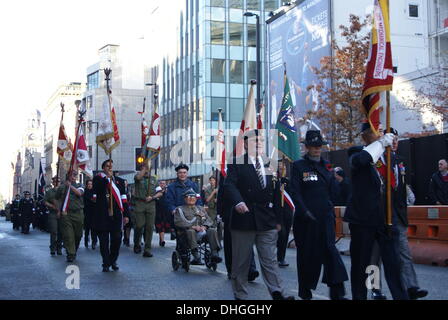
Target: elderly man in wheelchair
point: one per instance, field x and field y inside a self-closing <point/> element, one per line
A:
<point x="194" y="230"/>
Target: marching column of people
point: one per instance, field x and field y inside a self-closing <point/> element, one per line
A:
<point x="248" y="201"/>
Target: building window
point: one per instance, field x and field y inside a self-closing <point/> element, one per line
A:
<point x="236" y="71"/>
<point x="93" y="81"/>
<point x="89" y="102"/>
<point x="217" y="103"/>
<point x="413" y="11"/>
<point x="236" y="34"/>
<point x="251" y="71"/>
<point x="236" y="109"/>
<point x="217" y="32"/>
<point x="253" y="5"/>
<point x="218" y="68"/>
<point x="270" y="5"/>
<point x="236" y="4"/>
<point x="251" y="35"/>
<point x="217" y="3"/>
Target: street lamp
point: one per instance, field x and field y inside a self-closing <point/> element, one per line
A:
<point x="251" y="14"/>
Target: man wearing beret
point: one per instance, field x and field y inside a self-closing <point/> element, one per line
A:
<point x="176" y="189"/>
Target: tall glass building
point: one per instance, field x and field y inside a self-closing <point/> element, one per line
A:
<point x="213" y="67"/>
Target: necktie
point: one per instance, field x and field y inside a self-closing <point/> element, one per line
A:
<point x="259" y="173"/>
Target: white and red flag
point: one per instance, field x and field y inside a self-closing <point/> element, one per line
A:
<point x="249" y="122"/>
<point x="82" y="154"/>
<point x="64" y="147"/>
<point x="153" y="140"/>
<point x="108" y="137"/>
<point x="221" y="148"/>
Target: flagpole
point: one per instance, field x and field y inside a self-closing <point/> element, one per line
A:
<point x="58" y="164"/>
<point x="107" y="72"/>
<point x="389" y="166"/>
<point x="156" y="97"/>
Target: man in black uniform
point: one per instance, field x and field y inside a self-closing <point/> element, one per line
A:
<point x="15" y="213"/>
<point x="311" y="189"/>
<point x="109" y="223"/>
<point x="287" y="218"/>
<point x="366" y="215"/>
<point x="26" y="211"/>
<point x="89" y="210"/>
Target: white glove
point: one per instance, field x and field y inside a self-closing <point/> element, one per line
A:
<point x="375" y="150"/>
<point x="387" y="140"/>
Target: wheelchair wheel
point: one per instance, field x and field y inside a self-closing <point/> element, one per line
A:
<point x="207" y="259"/>
<point x="175" y="260"/>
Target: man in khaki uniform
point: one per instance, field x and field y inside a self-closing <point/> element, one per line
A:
<point x="193" y="223"/>
<point x="72" y="220"/>
<point x="145" y="209"/>
<point x="54" y="225"/>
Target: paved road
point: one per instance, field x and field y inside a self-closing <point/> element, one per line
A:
<point x="27" y="271"/>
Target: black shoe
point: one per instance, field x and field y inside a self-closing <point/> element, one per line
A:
<point x="162" y="243"/>
<point x="147" y="254"/>
<point x="137" y="250"/>
<point x="53" y="253"/>
<point x="417" y="293"/>
<point x="337" y="292"/>
<point x="253" y="275"/>
<point x="283" y="264"/>
<point x="305" y="294"/>
<point x="216" y="259"/>
<point x="70" y="258"/>
<point x="276" y="295"/>
<point x="115" y="267"/>
<point x="378" y="295"/>
<point x="105" y="269"/>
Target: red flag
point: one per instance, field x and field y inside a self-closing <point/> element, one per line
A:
<point x="153" y="140"/>
<point x="379" y="74"/>
<point x="82" y="155"/>
<point x="221" y="148"/>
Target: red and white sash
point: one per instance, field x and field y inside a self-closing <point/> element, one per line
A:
<point x="115" y="192"/>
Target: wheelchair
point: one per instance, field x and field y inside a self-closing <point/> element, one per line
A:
<point x="181" y="257"/>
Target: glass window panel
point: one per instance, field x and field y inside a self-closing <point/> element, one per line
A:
<point x="218" y="68"/>
<point x="251" y="35"/>
<point x="217" y="3"/>
<point x="251" y="71"/>
<point x="218" y="14"/>
<point x="216" y="104"/>
<point x="236" y="34"/>
<point x="270" y="5"/>
<point x="236" y="4"/>
<point x="217" y="32"/>
<point x="236" y="109"/>
<point x="253" y="5"/>
<point x="236" y="71"/>
<point x="236" y="15"/>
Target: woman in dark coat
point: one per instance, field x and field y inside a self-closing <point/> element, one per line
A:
<point x="164" y="218"/>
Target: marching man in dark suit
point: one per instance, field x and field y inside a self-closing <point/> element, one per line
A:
<point x="109" y="223"/>
<point x="366" y="215"/>
<point x="311" y="189"/>
<point x="26" y="212"/>
<point x="254" y="219"/>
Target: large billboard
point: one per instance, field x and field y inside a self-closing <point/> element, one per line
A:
<point x="297" y="39"/>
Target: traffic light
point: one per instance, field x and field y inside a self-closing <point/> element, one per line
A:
<point x="139" y="159"/>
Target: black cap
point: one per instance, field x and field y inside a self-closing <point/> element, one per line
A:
<point x="393" y="131"/>
<point x="182" y="166"/>
<point x="365" y="126"/>
<point x="27" y="193"/>
<point x="314" y="139"/>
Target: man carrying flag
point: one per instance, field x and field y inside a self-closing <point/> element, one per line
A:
<point x="366" y="210"/>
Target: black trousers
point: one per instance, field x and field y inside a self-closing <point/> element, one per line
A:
<point x="228" y="251"/>
<point x="283" y="235"/>
<point x="110" y="242"/>
<point x="26" y="221"/>
<point x="361" y="246"/>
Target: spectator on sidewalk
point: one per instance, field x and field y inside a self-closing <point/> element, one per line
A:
<point x="438" y="186"/>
